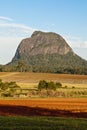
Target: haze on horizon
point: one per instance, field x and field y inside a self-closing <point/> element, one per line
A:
<point x="20" y="18"/>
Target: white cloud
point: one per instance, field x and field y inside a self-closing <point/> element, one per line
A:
<point x="9" y="28"/>
<point x="78" y="45"/>
<point x="85" y="44"/>
<point x="8" y="46"/>
<point x="15" y="29"/>
<point x="5" y="18"/>
<point x="13" y="25"/>
<point x="10" y="36"/>
<point x="76" y="42"/>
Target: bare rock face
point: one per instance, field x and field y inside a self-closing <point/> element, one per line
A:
<point x="43" y="43"/>
<point x="46" y="52"/>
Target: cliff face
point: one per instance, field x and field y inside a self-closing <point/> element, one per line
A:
<point x="47" y="52"/>
<point x="43" y="43"/>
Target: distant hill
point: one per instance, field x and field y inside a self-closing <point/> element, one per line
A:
<point x="46" y="52"/>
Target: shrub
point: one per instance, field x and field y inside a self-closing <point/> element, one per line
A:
<point x="51" y="85"/>
<point x="66" y="86"/>
<point x="58" y="85"/>
<point x="73" y="86"/>
<point x="48" y="85"/>
<point x="8" y="88"/>
<point x="42" y="85"/>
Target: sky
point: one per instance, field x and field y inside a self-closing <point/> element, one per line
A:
<point x="20" y="18"/>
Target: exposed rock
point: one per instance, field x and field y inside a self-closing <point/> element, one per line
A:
<point x="43" y="43"/>
<point x="47" y="52"/>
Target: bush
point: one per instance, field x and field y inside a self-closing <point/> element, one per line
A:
<point x="58" y="85"/>
<point x="51" y="85"/>
<point x="73" y="86"/>
<point x="66" y="86"/>
<point x="42" y="85"/>
<point x="8" y="88"/>
<point x="48" y="85"/>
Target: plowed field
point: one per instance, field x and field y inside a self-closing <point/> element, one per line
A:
<point x="72" y="107"/>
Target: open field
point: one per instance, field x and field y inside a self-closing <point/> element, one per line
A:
<point x="45" y="113"/>
<point x="72" y="85"/>
<point x="34" y="85"/>
<point x="66" y="107"/>
<point x="36" y="77"/>
<point x="30" y="80"/>
<point x="42" y="123"/>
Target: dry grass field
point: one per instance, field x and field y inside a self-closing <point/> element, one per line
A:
<point x="36" y="77"/>
<point x="30" y="80"/>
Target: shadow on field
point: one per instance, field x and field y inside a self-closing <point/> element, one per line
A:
<point x="8" y="110"/>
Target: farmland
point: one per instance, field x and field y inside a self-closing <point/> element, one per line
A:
<point x="29" y="82"/>
<point x="36" y="77"/>
<point x="41" y="123"/>
<point x="68" y="107"/>
<point x="43" y="114"/>
<point x="67" y="112"/>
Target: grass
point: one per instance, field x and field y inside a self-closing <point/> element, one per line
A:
<point x="30" y="80"/>
<point x="76" y="85"/>
<point x="36" y="77"/>
<point x="28" y="85"/>
<point x="80" y="86"/>
<point x="34" y="85"/>
<point x="67" y="90"/>
<point x="41" y="123"/>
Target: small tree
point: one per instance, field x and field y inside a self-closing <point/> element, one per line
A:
<point x="48" y="85"/>
<point x="1" y="84"/>
<point x="42" y="85"/>
<point x="58" y="85"/>
<point x="51" y="85"/>
<point x="8" y="88"/>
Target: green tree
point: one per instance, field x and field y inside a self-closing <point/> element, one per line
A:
<point x="21" y="66"/>
<point x="8" y="88"/>
<point x="42" y="85"/>
<point x="48" y="85"/>
<point x="58" y="85"/>
<point x="51" y="85"/>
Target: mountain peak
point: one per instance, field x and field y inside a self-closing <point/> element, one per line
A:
<point x="44" y="43"/>
<point x="47" y="52"/>
<point x="36" y="33"/>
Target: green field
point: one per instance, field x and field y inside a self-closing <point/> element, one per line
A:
<point x="29" y="81"/>
<point x="42" y="123"/>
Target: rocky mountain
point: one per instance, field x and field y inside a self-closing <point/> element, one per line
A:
<point x="43" y="43"/>
<point x="46" y="52"/>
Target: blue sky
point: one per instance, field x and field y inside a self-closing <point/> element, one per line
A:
<point x="20" y="18"/>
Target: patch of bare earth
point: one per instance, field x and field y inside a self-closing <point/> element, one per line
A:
<point x="72" y="107"/>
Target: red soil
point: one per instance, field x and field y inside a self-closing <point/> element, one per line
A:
<point x="45" y="107"/>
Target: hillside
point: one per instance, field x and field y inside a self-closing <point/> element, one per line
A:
<point x="46" y="52"/>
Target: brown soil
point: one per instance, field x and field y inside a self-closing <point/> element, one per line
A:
<point x="45" y="107"/>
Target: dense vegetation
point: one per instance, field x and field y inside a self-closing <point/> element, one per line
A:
<point x="43" y="89"/>
<point x="8" y="89"/>
<point x="54" y="63"/>
<point x="48" y="85"/>
<point x="55" y="89"/>
<point x="42" y="123"/>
